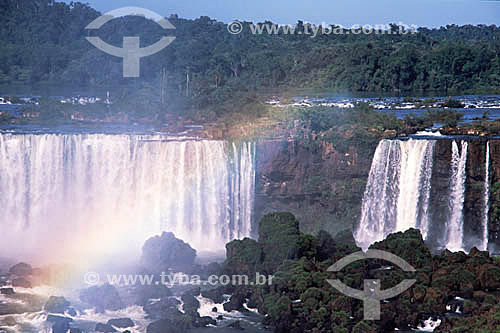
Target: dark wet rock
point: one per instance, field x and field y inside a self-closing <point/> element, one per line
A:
<point x="21" y="282"/>
<point x="206" y="271"/>
<point x="103" y="298"/>
<point x="60" y="324"/>
<point x="8" y="321"/>
<point x="21" y="303"/>
<point x="21" y="269"/>
<point x="235" y="325"/>
<point x="292" y="176"/>
<point x="60" y="327"/>
<point x="161" y="253"/>
<point x="220" y="317"/>
<point x="193" y="291"/>
<point x="7" y="291"/>
<point x="56" y="304"/>
<point x="143" y="293"/>
<point x="72" y="312"/>
<point x="253" y="301"/>
<point x="159" y="309"/>
<point x="121" y="322"/>
<point x="179" y="325"/>
<point x="206" y="321"/>
<point x="100" y="327"/>
<point x="190" y="304"/>
<point x="235" y="303"/>
<point x="216" y="294"/>
<point x="55" y="318"/>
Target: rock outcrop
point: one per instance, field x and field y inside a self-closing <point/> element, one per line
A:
<point x="323" y="187"/>
<point x="161" y="253"/>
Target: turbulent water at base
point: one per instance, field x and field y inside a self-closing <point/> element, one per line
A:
<point x="398" y="190"/>
<point x="455" y="224"/>
<point x="98" y="193"/>
<point x="486" y="199"/>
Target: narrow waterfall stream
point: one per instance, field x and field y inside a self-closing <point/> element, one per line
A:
<point x="398" y="190"/>
<point x="455" y="223"/>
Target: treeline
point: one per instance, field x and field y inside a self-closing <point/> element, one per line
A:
<point x="43" y="41"/>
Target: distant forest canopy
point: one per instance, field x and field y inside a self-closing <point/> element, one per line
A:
<point x="43" y="41"/>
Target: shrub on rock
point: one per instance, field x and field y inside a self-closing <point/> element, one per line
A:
<point x="279" y="236"/>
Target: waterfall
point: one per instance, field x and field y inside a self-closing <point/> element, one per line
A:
<point x="456" y="198"/>
<point x="484" y="246"/>
<point x="96" y="193"/>
<point x="398" y="190"/>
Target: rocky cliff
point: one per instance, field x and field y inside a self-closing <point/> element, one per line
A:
<point x="324" y="187"/>
<point x="321" y="186"/>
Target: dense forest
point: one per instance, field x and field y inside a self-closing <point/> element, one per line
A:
<point x="43" y="41"/>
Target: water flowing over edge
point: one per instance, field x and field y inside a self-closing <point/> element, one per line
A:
<point x="398" y="190"/>
<point x="455" y="222"/>
<point x="68" y="194"/>
<point x="486" y="203"/>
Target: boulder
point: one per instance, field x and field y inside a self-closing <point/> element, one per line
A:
<point x="72" y="312"/>
<point x="21" y="269"/>
<point x="60" y="327"/>
<point x="100" y="327"/>
<point x="160" y="309"/>
<point x="173" y="321"/>
<point x="191" y="304"/>
<point x="56" y="304"/>
<point x="54" y="319"/>
<point x="163" y="326"/>
<point x="103" y="298"/>
<point x="121" y="322"/>
<point x="216" y="294"/>
<point x="235" y="325"/>
<point x="60" y="324"/>
<point x="7" y="291"/>
<point x="205" y="321"/>
<point x="235" y="303"/>
<point x="21" y="282"/>
<point x="161" y="253"/>
<point x="9" y="321"/>
<point x="143" y="293"/>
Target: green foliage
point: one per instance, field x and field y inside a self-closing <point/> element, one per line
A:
<point x="44" y="42"/>
<point x="443" y="115"/>
<point x="279" y="236"/>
